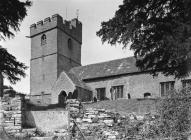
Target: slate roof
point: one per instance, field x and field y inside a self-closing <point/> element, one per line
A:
<point x="106" y="69"/>
<point x="78" y="82"/>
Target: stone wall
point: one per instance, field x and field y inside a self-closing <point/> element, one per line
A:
<point x="12" y="109"/>
<point x="127" y="106"/>
<point x="17" y="121"/>
<point x="44" y="99"/>
<point x="47" y="120"/>
<point x="84" y="95"/>
<point x="135" y="85"/>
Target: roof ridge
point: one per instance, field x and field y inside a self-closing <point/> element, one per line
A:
<point x="103" y="62"/>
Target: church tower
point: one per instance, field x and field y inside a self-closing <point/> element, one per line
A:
<point x="55" y="46"/>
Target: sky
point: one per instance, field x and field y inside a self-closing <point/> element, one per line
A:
<point x="91" y="14"/>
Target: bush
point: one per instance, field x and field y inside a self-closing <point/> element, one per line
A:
<point x="174" y="113"/>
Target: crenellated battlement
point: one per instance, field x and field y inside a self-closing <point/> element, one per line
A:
<point x="72" y="27"/>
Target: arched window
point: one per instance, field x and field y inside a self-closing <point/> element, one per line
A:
<point x="69" y="95"/>
<point x="69" y="43"/>
<point x="147" y="95"/>
<point x="43" y="39"/>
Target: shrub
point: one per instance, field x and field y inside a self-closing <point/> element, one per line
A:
<point x="174" y="113"/>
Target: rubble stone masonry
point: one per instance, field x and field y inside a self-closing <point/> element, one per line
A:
<point x="1" y="83"/>
<point x="11" y="112"/>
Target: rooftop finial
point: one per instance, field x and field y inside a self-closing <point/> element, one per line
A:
<point x="77" y="13"/>
<point x="66" y="13"/>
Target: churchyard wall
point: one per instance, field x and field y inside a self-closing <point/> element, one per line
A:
<point x="12" y="113"/>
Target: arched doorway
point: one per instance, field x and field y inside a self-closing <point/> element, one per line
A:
<point x="147" y="95"/>
<point x="75" y="94"/>
<point x="69" y="95"/>
<point x="62" y="98"/>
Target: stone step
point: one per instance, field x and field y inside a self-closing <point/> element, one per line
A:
<point x="41" y="138"/>
<point x="50" y="138"/>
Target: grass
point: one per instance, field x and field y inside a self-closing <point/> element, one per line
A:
<point x="126" y="106"/>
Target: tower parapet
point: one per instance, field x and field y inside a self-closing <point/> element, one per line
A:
<point x="72" y="27"/>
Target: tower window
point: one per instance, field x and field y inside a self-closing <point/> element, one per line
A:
<point x="43" y="39"/>
<point x="69" y="43"/>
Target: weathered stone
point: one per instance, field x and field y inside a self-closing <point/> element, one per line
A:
<point x="12" y="127"/>
<point x="111" y="137"/>
<point x="41" y="138"/>
<point x="78" y="120"/>
<point x="87" y="120"/>
<point x="103" y="115"/>
<point x="108" y="122"/>
<point x="21" y="135"/>
<point x="91" y="116"/>
<point x="95" y="119"/>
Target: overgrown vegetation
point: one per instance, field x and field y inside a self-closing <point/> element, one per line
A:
<point x="175" y="113"/>
<point x="174" y="117"/>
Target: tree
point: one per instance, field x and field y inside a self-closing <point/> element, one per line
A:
<point x="12" y="13"/>
<point x="10" y="67"/>
<point x="159" y="32"/>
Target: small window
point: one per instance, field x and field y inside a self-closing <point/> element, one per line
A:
<point x="147" y="95"/>
<point x="43" y="39"/>
<point x="100" y="93"/>
<point x="166" y="86"/>
<point x="69" y="43"/>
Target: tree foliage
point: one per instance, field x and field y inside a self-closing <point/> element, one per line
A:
<point x="12" y="12"/>
<point x="10" y="67"/>
<point x="175" y="113"/>
<point x="159" y="32"/>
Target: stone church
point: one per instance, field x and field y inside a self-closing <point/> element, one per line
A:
<point x="56" y="70"/>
